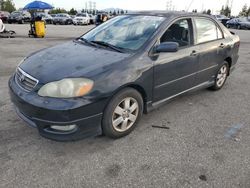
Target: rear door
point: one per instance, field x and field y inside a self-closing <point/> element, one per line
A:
<point x="174" y="72"/>
<point x="209" y="38"/>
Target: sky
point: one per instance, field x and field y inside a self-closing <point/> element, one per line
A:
<point x="214" y="5"/>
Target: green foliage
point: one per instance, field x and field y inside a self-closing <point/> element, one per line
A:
<point x="7" y="5"/>
<point x="208" y="12"/>
<point x="245" y="11"/>
<point x="225" y="11"/>
<point x="57" y="11"/>
<point x="72" y="11"/>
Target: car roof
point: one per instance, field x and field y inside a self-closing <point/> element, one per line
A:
<point x="167" y="13"/>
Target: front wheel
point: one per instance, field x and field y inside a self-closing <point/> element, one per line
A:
<point x="122" y="113"/>
<point x="221" y="77"/>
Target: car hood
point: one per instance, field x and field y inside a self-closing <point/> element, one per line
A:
<point x="71" y="59"/>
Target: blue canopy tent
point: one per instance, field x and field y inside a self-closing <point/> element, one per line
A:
<point x="38" y="5"/>
<point x="32" y="7"/>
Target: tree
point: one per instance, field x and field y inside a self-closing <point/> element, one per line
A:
<point x="57" y="11"/>
<point x="208" y="12"/>
<point x="72" y="11"/>
<point x="7" y="5"/>
<point x="222" y="10"/>
<point x="114" y="13"/>
<point x="225" y="11"/>
<point x="122" y="11"/>
<point x="118" y="12"/>
<point x="244" y="11"/>
<point x="1" y="4"/>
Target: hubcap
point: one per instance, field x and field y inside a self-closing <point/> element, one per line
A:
<point x="222" y="75"/>
<point x="125" y="114"/>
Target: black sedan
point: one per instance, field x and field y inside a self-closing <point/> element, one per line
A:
<point x="103" y="81"/>
<point x="239" y="23"/>
<point x="63" y="19"/>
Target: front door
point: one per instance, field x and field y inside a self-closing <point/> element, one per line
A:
<point x="175" y="72"/>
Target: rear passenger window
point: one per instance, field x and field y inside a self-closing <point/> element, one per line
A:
<point x="206" y="30"/>
<point x="178" y="32"/>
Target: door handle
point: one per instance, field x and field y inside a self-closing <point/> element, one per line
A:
<point x="222" y="45"/>
<point x="194" y="53"/>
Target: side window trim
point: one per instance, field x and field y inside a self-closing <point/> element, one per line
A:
<point x="191" y="30"/>
<point x="195" y="30"/>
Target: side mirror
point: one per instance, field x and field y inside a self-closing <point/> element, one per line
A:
<point x="167" y="47"/>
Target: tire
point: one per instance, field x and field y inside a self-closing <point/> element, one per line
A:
<point x="238" y="27"/>
<point x="122" y="122"/>
<point x="221" y="77"/>
<point x="21" y="22"/>
<point x="228" y="26"/>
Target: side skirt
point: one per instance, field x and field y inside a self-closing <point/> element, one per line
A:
<point x="153" y="105"/>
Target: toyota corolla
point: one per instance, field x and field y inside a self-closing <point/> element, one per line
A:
<point x="103" y="81"/>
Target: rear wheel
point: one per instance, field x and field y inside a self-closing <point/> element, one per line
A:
<point x="221" y="77"/>
<point x="122" y="113"/>
<point x="238" y="27"/>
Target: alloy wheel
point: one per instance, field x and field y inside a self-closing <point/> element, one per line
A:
<point x="222" y="75"/>
<point x="125" y="114"/>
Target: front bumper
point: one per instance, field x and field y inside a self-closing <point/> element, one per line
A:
<point x="42" y="113"/>
<point x="80" y="22"/>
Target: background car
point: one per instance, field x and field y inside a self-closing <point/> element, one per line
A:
<point x="233" y="23"/>
<point x="81" y="19"/>
<point x="239" y="23"/>
<point x="101" y="18"/>
<point x="53" y="15"/>
<point x="63" y="19"/>
<point x="19" y="17"/>
<point x="92" y="18"/>
<point x="4" y="15"/>
<point x="46" y="17"/>
<point x="244" y="23"/>
<point x="221" y="18"/>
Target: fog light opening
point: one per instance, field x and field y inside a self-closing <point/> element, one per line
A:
<point x="63" y="128"/>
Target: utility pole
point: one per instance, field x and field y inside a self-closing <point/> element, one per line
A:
<point x="231" y="6"/>
<point x="191" y="2"/>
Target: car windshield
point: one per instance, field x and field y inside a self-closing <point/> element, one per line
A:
<point x="15" y="13"/>
<point x="81" y="15"/>
<point x="127" y="32"/>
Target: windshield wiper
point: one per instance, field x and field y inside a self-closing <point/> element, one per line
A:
<point x="116" y="48"/>
<point x="86" y="41"/>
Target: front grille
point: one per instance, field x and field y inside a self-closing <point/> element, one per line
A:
<point x="24" y="80"/>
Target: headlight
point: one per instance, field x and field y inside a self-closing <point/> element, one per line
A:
<point x="67" y="88"/>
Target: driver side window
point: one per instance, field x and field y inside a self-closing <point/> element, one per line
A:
<point x="178" y="32"/>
